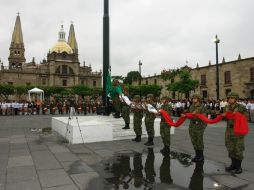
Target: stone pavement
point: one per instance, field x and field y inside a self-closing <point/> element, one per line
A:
<point x="34" y="159"/>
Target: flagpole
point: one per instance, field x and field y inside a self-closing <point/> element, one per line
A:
<point x="105" y="52"/>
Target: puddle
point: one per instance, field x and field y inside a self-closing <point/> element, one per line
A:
<point x="151" y="170"/>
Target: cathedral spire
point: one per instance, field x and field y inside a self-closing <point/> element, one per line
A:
<point x="17" y="49"/>
<point x="17" y="36"/>
<point x="72" y="39"/>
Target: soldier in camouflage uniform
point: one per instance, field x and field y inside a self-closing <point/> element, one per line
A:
<point x="164" y="127"/>
<point x="115" y="93"/>
<point x="234" y="144"/>
<point x="197" y="128"/>
<point x="149" y="121"/>
<point x="137" y="118"/>
<point x="125" y="109"/>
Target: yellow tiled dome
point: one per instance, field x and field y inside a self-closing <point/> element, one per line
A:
<point x="62" y="46"/>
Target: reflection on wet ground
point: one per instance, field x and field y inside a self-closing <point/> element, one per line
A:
<point x="154" y="171"/>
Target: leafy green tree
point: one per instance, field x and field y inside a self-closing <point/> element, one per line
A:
<point x="131" y="76"/>
<point x="81" y="90"/>
<point x="21" y="90"/>
<point x="143" y="90"/>
<point x="6" y="90"/>
<point x="95" y="92"/>
<point x="185" y="84"/>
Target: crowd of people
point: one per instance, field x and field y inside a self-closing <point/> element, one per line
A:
<point x="8" y="108"/>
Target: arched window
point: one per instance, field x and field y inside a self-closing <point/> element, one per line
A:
<point x="64" y="69"/>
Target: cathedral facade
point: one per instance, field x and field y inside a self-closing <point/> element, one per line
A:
<point x="61" y="68"/>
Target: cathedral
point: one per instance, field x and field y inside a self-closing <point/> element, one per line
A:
<point x="61" y="68"/>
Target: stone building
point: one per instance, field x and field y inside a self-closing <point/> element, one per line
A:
<point x="236" y="76"/>
<point x="61" y="68"/>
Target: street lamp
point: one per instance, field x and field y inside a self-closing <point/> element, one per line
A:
<point x="216" y="41"/>
<point x="140" y="64"/>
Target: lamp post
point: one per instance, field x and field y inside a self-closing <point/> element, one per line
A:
<point x="105" y="51"/>
<point x="140" y="64"/>
<point x="216" y="41"/>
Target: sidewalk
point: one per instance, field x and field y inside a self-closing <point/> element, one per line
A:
<point x="32" y="159"/>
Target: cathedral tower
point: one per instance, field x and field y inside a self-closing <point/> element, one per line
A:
<point x="72" y="40"/>
<point x="17" y="49"/>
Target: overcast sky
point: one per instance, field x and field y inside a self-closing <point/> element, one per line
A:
<point x="160" y="33"/>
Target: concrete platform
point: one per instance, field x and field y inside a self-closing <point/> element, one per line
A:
<point x="86" y="129"/>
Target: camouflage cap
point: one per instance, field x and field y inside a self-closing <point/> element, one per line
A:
<point x="197" y="96"/>
<point x="115" y="80"/>
<point x="150" y="96"/>
<point x="233" y="95"/>
<point x="136" y="97"/>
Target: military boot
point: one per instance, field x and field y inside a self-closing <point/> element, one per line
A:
<point x="117" y="115"/>
<point x="137" y="139"/>
<point x="232" y="165"/>
<point x="127" y="126"/>
<point x="238" y="168"/>
<point x="199" y="156"/>
<point x="149" y="141"/>
<point x="165" y="150"/>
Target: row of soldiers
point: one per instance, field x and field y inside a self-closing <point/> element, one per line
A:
<point x="234" y="144"/>
<point x="139" y="174"/>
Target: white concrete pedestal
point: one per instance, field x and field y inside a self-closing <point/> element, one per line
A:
<point x="86" y="129"/>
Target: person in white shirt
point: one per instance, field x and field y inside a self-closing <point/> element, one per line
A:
<point x="4" y="108"/>
<point x="223" y="103"/>
<point x="250" y="108"/>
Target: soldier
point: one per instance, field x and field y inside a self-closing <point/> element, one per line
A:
<point x="149" y="121"/>
<point x="197" y="128"/>
<point x="137" y="118"/>
<point x="116" y="92"/>
<point x="149" y="169"/>
<point x="234" y="144"/>
<point x="125" y="109"/>
<point x="164" y="127"/>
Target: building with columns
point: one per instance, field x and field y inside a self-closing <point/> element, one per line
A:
<point x="61" y="68"/>
<point x="234" y="76"/>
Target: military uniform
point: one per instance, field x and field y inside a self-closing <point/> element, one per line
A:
<point x="196" y="130"/>
<point x="234" y="144"/>
<point x="165" y="128"/>
<point x="149" y="122"/>
<point x="125" y="110"/>
<point x="126" y="114"/>
<point x="137" y="120"/>
<point x="115" y="92"/>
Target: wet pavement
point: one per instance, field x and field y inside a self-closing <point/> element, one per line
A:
<point x="35" y="158"/>
<point x="156" y="171"/>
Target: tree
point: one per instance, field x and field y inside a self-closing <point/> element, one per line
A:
<point x="21" y="90"/>
<point x="143" y="90"/>
<point x="96" y="92"/>
<point x="131" y="76"/>
<point x="185" y="84"/>
<point x="81" y="90"/>
<point x="6" y="90"/>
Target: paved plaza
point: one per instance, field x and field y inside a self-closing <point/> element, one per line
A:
<point x="33" y="158"/>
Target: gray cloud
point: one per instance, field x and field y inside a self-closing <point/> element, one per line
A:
<point x="160" y="33"/>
